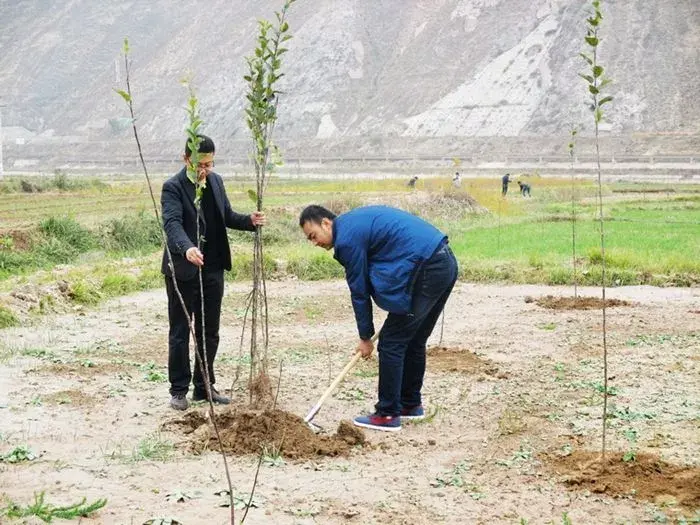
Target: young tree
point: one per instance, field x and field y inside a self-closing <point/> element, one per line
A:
<point x="597" y="81"/>
<point x="193" y="142"/>
<point x="264" y="72"/>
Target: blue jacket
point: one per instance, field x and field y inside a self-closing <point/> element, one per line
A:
<point x="382" y="250"/>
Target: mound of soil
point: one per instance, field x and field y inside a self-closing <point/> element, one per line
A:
<point x="647" y="477"/>
<point x="459" y="360"/>
<point x="249" y="432"/>
<point x="575" y="303"/>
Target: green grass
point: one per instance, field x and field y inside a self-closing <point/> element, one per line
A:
<point x="651" y="232"/>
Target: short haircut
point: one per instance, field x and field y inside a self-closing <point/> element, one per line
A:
<point x="205" y="146"/>
<point x="315" y="214"/>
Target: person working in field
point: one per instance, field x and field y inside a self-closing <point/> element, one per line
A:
<point x="406" y="265"/>
<point x="180" y="224"/>
<point x="524" y="189"/>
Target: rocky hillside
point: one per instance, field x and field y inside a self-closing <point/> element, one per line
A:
<point x="359" y="74"/>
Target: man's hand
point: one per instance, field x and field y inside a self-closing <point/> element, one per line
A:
<point x="194" y="256"/>
<point x="258" y="218"/>
<point x="365" y="347"/>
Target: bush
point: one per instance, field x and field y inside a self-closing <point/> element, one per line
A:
<point x="68" y="230"/>
<point x="139" y="232"/>
<point x="315" y="267"/>
<point x="84" y="292"/>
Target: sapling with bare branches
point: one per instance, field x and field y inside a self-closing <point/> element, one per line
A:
<point x="193" y="144"/>
<point x="264" y="73"/>
<point x="596" y="79"/>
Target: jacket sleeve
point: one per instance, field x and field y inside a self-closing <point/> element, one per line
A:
<point x="354" y="260"/>
<point x="234" y="220"/>
<point x="172" y="206"/>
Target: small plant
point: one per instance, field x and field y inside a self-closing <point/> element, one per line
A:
<point x="47" y="512"/>
<point x="429" y="417"/>
<point x="631" y="436"/>
<point x="565" y="520"/>
<point x="18" y="455"/>
<point x="179" y="496"/>
<point x="454" y="477"/>
<point x="7" y="318"/>
<point x="272" y="455"/>
<point x="152" y="448"/>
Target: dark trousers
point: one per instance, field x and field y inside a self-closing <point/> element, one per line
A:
<point x="402" y="339"/>
<point x="179" y="371"/>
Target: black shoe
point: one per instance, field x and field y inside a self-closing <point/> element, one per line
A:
<point x="215" y="397"/>
<point x="179" y="402"/>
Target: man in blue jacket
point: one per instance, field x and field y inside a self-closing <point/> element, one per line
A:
<point x="407" y="267"/>
<point x="180" y="223"/>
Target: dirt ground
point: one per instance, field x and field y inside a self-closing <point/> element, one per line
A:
<point x="513" y="394"/>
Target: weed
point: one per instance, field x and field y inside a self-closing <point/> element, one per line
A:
<point x="7" y="318"/>
<point x="351" y="394"/>
<point x="18" y="455"/>
<point x="631" y="436"/>
<point x="272" y="455"/>
<point x="152" y="448"/>
<point x="68" y="231"/>
<point x="454" y="477"/>
<point x="565" y="520"/>
<point x="429" y="417"/>
<point x="47" y="512"/>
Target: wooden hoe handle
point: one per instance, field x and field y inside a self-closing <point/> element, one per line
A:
<point x="334" y="384"/>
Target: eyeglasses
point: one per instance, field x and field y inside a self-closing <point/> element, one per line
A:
<point x="205" y="165"/>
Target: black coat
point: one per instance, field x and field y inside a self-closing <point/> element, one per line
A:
<point x="180" y="222"/>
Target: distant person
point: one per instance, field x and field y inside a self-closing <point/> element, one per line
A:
<point x="505" y="180"/>
<point x="406" y="266"/>
<point x="524" y="189"/>
<point x="412" y="181"/>
<point x="180" y="224"/>
<point x="457" y="180"/>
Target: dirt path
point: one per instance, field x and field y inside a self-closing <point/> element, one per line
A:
<point x="86" y="392"/>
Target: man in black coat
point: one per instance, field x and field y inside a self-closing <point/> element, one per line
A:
<point x="180" y="224"/>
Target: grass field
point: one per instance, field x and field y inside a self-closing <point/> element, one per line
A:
<point x="89" y="227"/>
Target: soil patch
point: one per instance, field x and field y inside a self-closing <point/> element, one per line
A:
<point x="460" y="360"/>
<point x="648" y="478"/>
<point x="85" y="368"/>
<point x="70" y="397"/>
<point x="249" y="432"/>
<point x="575" y="303"/>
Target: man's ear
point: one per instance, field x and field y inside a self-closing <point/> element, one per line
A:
<point x="326" y="222"/>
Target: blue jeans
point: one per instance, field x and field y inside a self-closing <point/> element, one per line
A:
<point x="402" y="339"/>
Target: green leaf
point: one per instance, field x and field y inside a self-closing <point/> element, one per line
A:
<point x="604" y="83"/>
<point x="284" y="28"/>
<point x="592" y="41"/>
<point x="593" y="21"/>
<point x="597" y="71"/>
<point x="586" y="58"/>
<point x="594" y="90"/>
<point x="252" y="195"/>
<point x="587" y="78"/>
<point x="605" y="100"/>
<point x="123" y="94"/>
<point x="125" y="47"/>
<point x="598" y="115"/>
